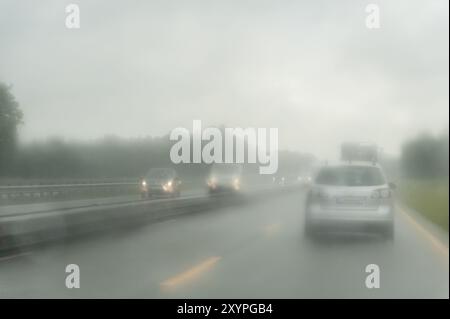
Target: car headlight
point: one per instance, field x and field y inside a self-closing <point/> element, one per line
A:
<point x="212" y="181"/>
<point x="236" y="183"/>
<point x="168" y="186"/>
<point x="144" y="183"/>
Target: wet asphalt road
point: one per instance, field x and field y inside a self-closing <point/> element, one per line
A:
<point x="255" y="250"/>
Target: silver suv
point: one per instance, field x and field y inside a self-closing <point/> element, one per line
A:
<point x="350" y="197"/>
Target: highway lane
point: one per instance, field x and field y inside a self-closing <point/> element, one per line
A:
<point x="251" y="251"/>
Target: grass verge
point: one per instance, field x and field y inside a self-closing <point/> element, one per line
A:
<point x="428" y="197"/>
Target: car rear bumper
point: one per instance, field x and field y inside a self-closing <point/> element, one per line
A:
<point x="350" y="220"/>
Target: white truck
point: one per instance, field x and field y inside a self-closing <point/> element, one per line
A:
<point x="359" y="151"/>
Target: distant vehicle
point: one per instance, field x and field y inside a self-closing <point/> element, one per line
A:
<point x="160" y="181"/>
<point x="279" y="180"/>
<point x="284" y="180"/>
<point x="359" y="152"/>
<point x="350" y="197"/>
<point x="304" y="179"/>
<point x="225" y="177"/>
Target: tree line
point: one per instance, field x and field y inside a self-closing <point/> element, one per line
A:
<point x="107" y="157"/>
<point x="425" y="156"/>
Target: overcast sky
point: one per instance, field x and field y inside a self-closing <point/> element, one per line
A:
<point x="312" y="69"/>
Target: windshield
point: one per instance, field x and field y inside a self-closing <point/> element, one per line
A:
<point x="350" y="176"/>
<point x="224" y="149"/>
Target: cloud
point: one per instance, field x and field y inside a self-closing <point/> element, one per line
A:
<point x="310" y="68"/>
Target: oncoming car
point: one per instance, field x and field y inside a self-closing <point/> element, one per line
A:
<point x="160" y="181"/>
<point x="225" y="178"/>
<point x="279" y="180"/>
<point x="350" y="197"/>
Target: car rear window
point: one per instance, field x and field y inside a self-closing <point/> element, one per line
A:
<point x="350" y="176"/>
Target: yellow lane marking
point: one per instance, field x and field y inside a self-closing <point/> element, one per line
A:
<point x="190" y="274"/>
<point x="440" y="247"/>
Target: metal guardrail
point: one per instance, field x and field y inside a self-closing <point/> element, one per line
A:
<point x="30" y="229"/>
<point x="35" y="192"/>
<point x="60" y="191"/>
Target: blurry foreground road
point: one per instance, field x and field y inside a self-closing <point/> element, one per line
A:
<point x="250" y="251"/>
